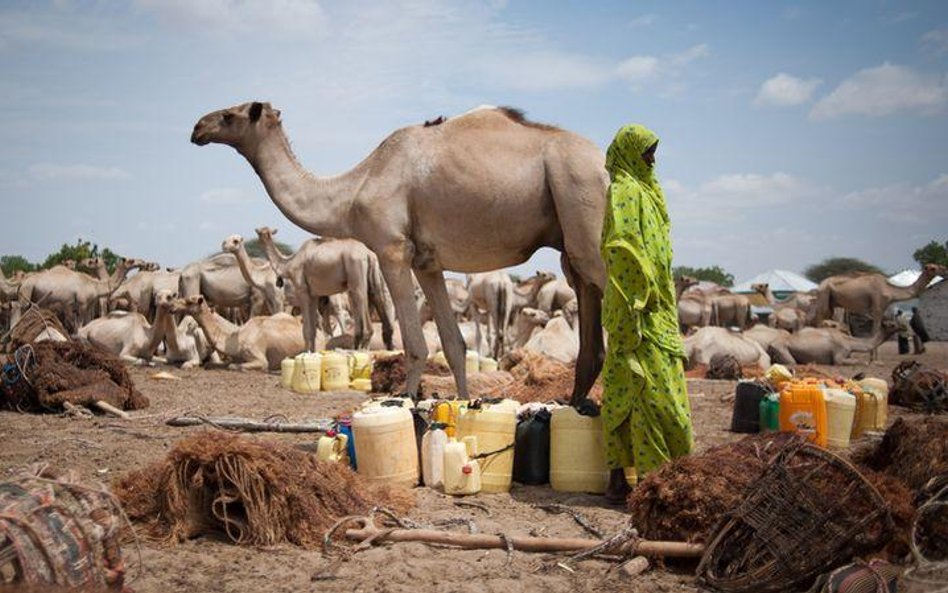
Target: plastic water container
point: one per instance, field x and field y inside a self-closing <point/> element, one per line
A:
<point x="803" y="410"/>
<point x="778" y="374"/>
<point x="432" y="455"/>
<point x="439" y="358"/>
<point x="360" y="366"/>
<point x="877" y="414"/>
<point x="333" y="447"/>
<point x="361" y="384"/>
<point x="770" y="413"/>
<point x="577" y="453"/>
<point x="335" y="372"/>
<point x="745" y="416"/>
<point x="385" y="445"/>
<point x="488" y="365"/>
<point x="307" y="372"/>
<point x="532" y="449"/>
<point x="287" y="366"/>
<point x="446" y="412"/>
<point x="840" y="412"/>
<point x="472" y="362"/>
<point x="495" y="426"/>
<point x="344" y="426"/>
<point x="462" y="475"/>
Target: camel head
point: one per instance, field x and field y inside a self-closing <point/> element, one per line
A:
<point x="933" y="270"/>
<point x="151" y="266"/>
<point x="91" y="263"/>
<point x="265" y="232"/>
<point x="134" y="262"/>
<point x="165" y="299"/>
<point x="232" y="244"/>
<point x="242" y="126"/>
<point x="684" y="282"/>
<point x="762" y="288"/>
<point x="191" y="306"/>
<point x="69" y="263"/>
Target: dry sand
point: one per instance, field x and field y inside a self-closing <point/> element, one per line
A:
<point x="101" y="448"/>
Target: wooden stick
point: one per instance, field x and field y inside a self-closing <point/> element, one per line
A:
<point x="245" y="425"/>
<point x="110" y="409"/>
<point x="522" y="543"/>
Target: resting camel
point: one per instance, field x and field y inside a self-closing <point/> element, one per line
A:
<point x="705" y="343"/>
<point x="785" y="315"/>
<point x="325" y="267"/>
<point x="221" y="282"/>
<point x="869" y="294"/>
<point x="258" y="345"/>
<point x="694" y="310"/>
<point x="126" y="334"/>
<point x="185" y="342"/>
<point x="827" y="346"/>
<point x="482" y="191"/>
<point x="554" y="295"/>
<point x="765" y="336"/>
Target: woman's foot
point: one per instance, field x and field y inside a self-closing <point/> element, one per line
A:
<point x="618" y="488"/>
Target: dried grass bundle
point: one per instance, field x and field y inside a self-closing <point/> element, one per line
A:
<point x="255" y="492"/>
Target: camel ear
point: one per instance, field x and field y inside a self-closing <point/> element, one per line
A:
<point x="256" y="108"/>
<point x="273" y="231"/>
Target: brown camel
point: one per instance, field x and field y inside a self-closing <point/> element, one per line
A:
<point x="786" y="315"/>
<point x="482" y="191"/>
<point x="827" y="346"/>
<point x="869" y="294"/>
<point x="260" y="275"/>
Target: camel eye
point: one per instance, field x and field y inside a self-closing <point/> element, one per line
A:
<point x="227" y="117"/>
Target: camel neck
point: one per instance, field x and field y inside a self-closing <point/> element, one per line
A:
<point x="217" y="330"/>
<point x="157" y="330"/>
<point x="245" y="265"/>
<point x="319" y="205"/>
<point x="277" y="260"/>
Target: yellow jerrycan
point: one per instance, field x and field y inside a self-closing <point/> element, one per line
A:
<point x="385" y="445"/>
<point x="306" y="373"/>
<point x="335" y="372"/>
<point x="333" y="447"/>
<point x="287" y="366"/>
<point x="462" y="475"/>
<point x="495" y="426"/>
<point x="577" y="452"/>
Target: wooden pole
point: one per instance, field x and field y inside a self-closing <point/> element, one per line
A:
<point x="522" y="543"/>
<point x="110" y="409"/>
<point x="245" y="425"/>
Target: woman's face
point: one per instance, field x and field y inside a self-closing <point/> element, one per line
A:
<point x="649" y="155"/>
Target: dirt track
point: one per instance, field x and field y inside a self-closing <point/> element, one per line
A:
<point x="101" y="448"/>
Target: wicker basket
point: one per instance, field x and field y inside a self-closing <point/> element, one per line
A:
<point x="928" y="575"/>
<point x="810" y="512"/>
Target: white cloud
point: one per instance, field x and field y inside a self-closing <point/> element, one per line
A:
<point x="637" y="70"/>
<point x="225" y="195"/>
<point x="234" y="17"/>
<point x="784" y="90"/>
<point x="47" y="171"/>
<point x="729" y="197"/>
<point x="63" y="29"/>
<point x="903" y="202"/>
<point x="545" y="71"/>
<point x="885" y="90"/>
<point x="935" y="42"/>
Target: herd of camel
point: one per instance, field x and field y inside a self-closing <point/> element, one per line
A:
<point x="478" y="192"/>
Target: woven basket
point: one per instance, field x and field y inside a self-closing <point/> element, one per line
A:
<point x="810" y="512"/>
<point x="928" y="575"/>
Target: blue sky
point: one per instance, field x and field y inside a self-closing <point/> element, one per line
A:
<point x="791" y="132"/>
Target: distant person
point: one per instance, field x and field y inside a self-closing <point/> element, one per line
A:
<point x="645" y="412"/>
<point x="904" y="331"/>
<point x="920" y="334"/>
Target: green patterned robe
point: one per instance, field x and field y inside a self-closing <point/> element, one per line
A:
<point x="645" y="409"/>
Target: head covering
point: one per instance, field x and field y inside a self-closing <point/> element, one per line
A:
<point x="624" y="160"/>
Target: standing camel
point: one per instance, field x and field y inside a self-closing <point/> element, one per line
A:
<point x="870" y="294"/>
<point x="491" y="293"/>
<point x="260" y="275"/>
<point x="478" y="192"/>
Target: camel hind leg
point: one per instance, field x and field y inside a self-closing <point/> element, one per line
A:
<point x="452" y="341"/>
<point x="591" y="347"/>
<point x="397" y="273"/>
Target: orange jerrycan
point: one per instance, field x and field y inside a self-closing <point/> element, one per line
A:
<point x="803" y="410"/>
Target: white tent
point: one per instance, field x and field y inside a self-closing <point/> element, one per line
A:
<point x="908" y="278"/>
<point x="778" y="280"/>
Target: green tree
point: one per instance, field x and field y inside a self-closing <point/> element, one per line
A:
<point x="14" y="263"/>
<point x="714" y="274"/>
<point x="838" y="265"/>
<point x="932" y="253"/>
<point x="81" y="250"/>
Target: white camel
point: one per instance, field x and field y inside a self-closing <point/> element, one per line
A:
<point x="519" y="185"/>
<point x="704" y="344"/>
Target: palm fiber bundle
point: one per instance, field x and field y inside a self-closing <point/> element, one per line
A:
<point x="538" y="378"/>
<point x="57" y="531"/>
<point x="685" y="499"/>
<point x="914" y="451"/>
<point x="255" y="492"/>
<point x="48" y="374"/>
<point x="389" y="373"/>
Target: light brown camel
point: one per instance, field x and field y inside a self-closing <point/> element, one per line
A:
<point x="220" y="280"/>
<point x="526" y="293"/>
<point x="8" y="288"/>
<point x="694" y="310"/>
<point x="126" y="334"/>
<point x="490" y="296"/>
<point x="705" y="343"/>
<point x="827" y="346"/>
<point x="554" y="295"/>
<point x="730" y="310"/>
<point x="258" y="345"/>
<point x="185" y="342"/>
<point x="260" y="275"/>
<point x="326" y="267"/>
<point x="97" y="268"/>
<point x="73" y="295"/>
<point x="482" y="191"/>
<point x="141" y="290"/>
<point x="869" y="294"/>
<point x="785" y="315"/>
<point x="683" y="283"/>
<point x="764" y="335"/>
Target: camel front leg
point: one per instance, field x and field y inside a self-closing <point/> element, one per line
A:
<point x="451" y="339"/>
<point x="397" y="273"/>
<point x="358" y="298"/>
<point x="310" y="315"/>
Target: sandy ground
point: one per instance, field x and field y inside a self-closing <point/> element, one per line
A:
<point x="102" y="448"/>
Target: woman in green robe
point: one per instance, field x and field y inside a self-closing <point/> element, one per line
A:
<point x="645" y="409"/>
